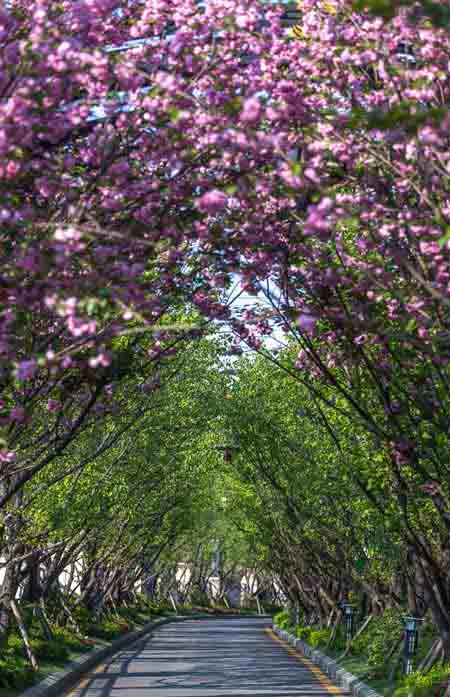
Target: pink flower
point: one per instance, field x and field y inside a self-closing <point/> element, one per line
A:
<point x="17" y="414"/>
<point x="26" y="370"/>
<point x="431" y="488"/>
<point x="289" y="178"/>
<point x="45" y="187"/>
<point x="53" y="405"/>
<point x="312" y="175"/>
<point x="102" y="359"/>
<point x="251" y="110"/>
<point x="68" y="234"/>
<point x="7" y="456"/>
<point x="360" y="339"/>
<point x="212" y="202"/>
<point x="306" y="323"/>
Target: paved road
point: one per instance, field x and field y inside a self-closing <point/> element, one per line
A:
<point x="207" y="658"/>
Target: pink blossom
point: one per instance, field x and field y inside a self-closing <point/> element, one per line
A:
<point x="306" y="323"/>
<point x="17" y="414"/>
<point x="291" y="179"/>
<point x="102" y="359"/>
<point x="7" y="456"/>
<point x="68" y="234"/>
<point x="212" y="202"/>
<point x="26" y="370"/>
<point x="251" y="111"/>
<point x="53" y="405"/>
<point x="301" y="360"/>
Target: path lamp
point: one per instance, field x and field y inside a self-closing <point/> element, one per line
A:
<point x="347" y="610"/>
<point x="411" y="642"/>
<point x="228" y="451"/>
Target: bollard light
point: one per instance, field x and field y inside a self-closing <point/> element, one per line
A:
<point x="347" y="609"/>
<point x="412" y="625"/>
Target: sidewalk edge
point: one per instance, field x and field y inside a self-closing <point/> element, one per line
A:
<point x="342" y="677"/>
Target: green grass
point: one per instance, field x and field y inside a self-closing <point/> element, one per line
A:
<point x="47" y="667"/>
<point x="367" y="659"/>
<point x="54" y="656"/>
<point x="357" y="665"/>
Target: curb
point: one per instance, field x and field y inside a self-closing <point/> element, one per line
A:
<point x="342" y="677"/>
<point x="55" y="683"/>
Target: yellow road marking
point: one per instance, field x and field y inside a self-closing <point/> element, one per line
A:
<point x="84" y="682"/>
<point x="321" y="677"/>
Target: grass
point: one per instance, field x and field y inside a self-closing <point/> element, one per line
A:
<point x="369" y="657"/>
<point x="55" y="656"/>
<point x="47" y="667"/>
<point x="357" y="665"/>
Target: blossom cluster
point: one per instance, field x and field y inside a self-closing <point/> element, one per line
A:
<point x="222" y="146"/>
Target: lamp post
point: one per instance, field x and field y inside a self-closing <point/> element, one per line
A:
<point x="347" y="610"/>
<point x="411" y="642"/>
<point x="228" y="451"/>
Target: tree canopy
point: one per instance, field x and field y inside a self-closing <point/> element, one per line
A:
<point x="184" y="182"/>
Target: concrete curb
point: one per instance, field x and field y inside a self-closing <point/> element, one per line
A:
<point x="341" y="677"/>
<point x="54" y="684"/>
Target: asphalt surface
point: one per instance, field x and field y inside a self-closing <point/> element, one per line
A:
<point x="207" y="658"/>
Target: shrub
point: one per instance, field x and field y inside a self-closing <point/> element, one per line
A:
<point x="131" y="614"/>
<point x="303" y="633"/>
<point x="82" y="617"/>
<point x="15" y="671"/>
<point x="14" y="645"/>
<point x="159" y="608"/>
<point x="108" y="629"/>
<point x="376" y="643"/>
<point x="319" y="637"/>
<point x="360" y="646"/>
<point x="283" y="619"/>
<point x="420" y="685"/>
<point x="199" y="597"/>
<point x="272" y="609"/>
<point x="72" y="641"/>
<point x="49" y="650"/>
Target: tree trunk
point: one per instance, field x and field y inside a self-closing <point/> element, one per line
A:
<point x="40" y="615"/>
<point x="358" y="633"/>
<point x="24" y="635"/>
<point x="8" y="593"/>
<point x="68" y="613"/>
<point x="334" y="631"/>
<point x="445" y="636"/>
<point x="432" y="656"/>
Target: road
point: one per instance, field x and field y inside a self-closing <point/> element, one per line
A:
<point x="207" y="658"/>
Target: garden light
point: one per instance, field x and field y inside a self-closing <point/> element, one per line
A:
<point x="347" y="610"/>
<point x="411" y="642"/>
